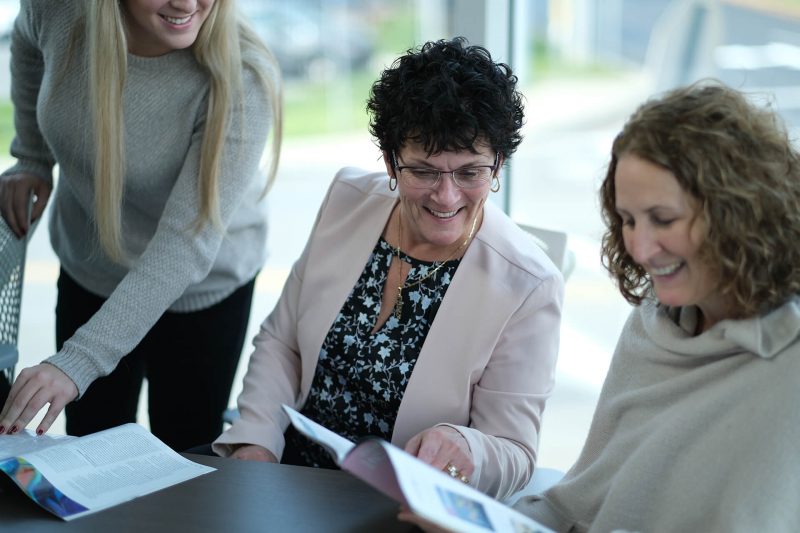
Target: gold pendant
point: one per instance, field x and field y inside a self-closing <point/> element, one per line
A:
<point x="398" y="304"/>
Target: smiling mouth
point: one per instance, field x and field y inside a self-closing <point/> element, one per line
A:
<point x="666" y="270"/>
<point x="442" y="214"/>
<point x="177" y="21"/>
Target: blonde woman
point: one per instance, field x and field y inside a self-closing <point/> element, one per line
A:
<point x="157" y="114"/>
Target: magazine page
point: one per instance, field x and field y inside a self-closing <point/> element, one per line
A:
<point x="336" y="445"/>
<point x="369" y="462"/>
<point x="27" y="441"/>
<point x="425" y="490"/>
<point x="451" y="504"/>
<point x="87" y="474"/>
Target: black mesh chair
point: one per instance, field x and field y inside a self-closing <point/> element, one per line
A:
<point x="12" y="267"/>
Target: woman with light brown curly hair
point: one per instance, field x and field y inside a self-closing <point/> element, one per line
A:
<point x="698" y="424"/>
<point x="741" y="177"/>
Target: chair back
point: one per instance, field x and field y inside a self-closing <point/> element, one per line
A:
<point x="554" y="243"/>
<point x="12" y="266"/>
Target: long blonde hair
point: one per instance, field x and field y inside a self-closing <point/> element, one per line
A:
<point x="224" y="44"/>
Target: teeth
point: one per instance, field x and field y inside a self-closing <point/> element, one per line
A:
<point x="667" y="270"/>
<point x="177" y="21"/>
<point x="442" y="214"/>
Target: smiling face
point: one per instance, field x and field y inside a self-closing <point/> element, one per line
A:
<point x="156" y="27"/>
<point x="663" y="234"/>
<point x="442" y="216"/>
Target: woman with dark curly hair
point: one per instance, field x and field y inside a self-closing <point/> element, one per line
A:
<point x="418" y="312"/>
<point x="697" y="426"/>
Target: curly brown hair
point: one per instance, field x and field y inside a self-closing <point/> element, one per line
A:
<point x="737" y="161"/>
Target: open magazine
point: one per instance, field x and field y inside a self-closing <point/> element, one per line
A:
<point x="76" y="476"/>
<point x="428" y="492"/>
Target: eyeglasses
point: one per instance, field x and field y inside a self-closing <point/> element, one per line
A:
<point x="428" y="178"/>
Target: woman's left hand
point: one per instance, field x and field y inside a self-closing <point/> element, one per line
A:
<point x="443" y="447"/>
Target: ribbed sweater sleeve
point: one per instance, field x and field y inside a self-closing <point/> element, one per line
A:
<point x="28" y="146"/>
<point x="174" y="258"/>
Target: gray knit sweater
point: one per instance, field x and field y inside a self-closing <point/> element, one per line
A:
<point x="165" y="101"/>
<point x="691" y="433"/>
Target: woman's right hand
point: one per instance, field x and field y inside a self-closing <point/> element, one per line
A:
<point x="15" y="192"/>
<point x="34" y="388"/>
<point x="254" y="452"/>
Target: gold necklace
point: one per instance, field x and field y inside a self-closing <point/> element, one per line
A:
<point x="398" y="304"/>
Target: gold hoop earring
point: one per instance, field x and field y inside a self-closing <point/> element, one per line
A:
<point x="495" y="186"/>
<point x="392" y="183"/>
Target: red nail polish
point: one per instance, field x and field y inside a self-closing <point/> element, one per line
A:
<point x="2" y="429"/>
<point x="13" y="430"/>
<point x="39" y="431"/>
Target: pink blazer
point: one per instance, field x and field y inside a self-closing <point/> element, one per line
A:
<point x="486" y="367"/>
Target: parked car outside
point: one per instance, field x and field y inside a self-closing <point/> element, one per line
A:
<point x="311" y="39"/>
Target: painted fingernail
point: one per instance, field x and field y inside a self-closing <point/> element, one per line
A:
<point x="39" y="431"/>
<point x="2" y="429"/>
<point x="13" y="429"/>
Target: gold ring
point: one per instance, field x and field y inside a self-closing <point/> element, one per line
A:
<point x="452" y="470"/>
<point x="456" y="473"/>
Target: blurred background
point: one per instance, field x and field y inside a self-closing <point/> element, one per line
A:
<point x="583" y="65"/>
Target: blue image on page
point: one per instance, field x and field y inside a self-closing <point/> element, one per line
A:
<point x="39" y="489"/>
<point x="464" y="508"/>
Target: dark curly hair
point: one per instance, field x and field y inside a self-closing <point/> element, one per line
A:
<point x="446" y="95"/>
<point x="736" y="160"/>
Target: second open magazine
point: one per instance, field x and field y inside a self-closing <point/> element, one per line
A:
<point x="428" y="492"/>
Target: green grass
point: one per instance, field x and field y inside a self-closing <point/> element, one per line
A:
<point x="789" y="2"/>
<point x="309" y="108"/>
<point x="338" y="105"/>
<point x="395" y="34"/>
<point x="6" y="125"/>
<point x="544" y="64"/>
<point x="318" y="108"/>
<point x="313" y="108"/>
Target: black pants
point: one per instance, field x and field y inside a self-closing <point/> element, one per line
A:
<point x="188" y="359"/>
<point x="5" y="387"/>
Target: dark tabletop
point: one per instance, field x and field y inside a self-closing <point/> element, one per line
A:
<point x="240" y="496"/>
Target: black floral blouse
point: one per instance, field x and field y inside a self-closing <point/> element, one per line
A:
<point x="361" y="377"/>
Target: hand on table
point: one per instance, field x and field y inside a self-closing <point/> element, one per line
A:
<point x="444" y="448"/>
<point x="253" y="452"/>
<point x="15" y="191"/>
<point x="34" y="387"/>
